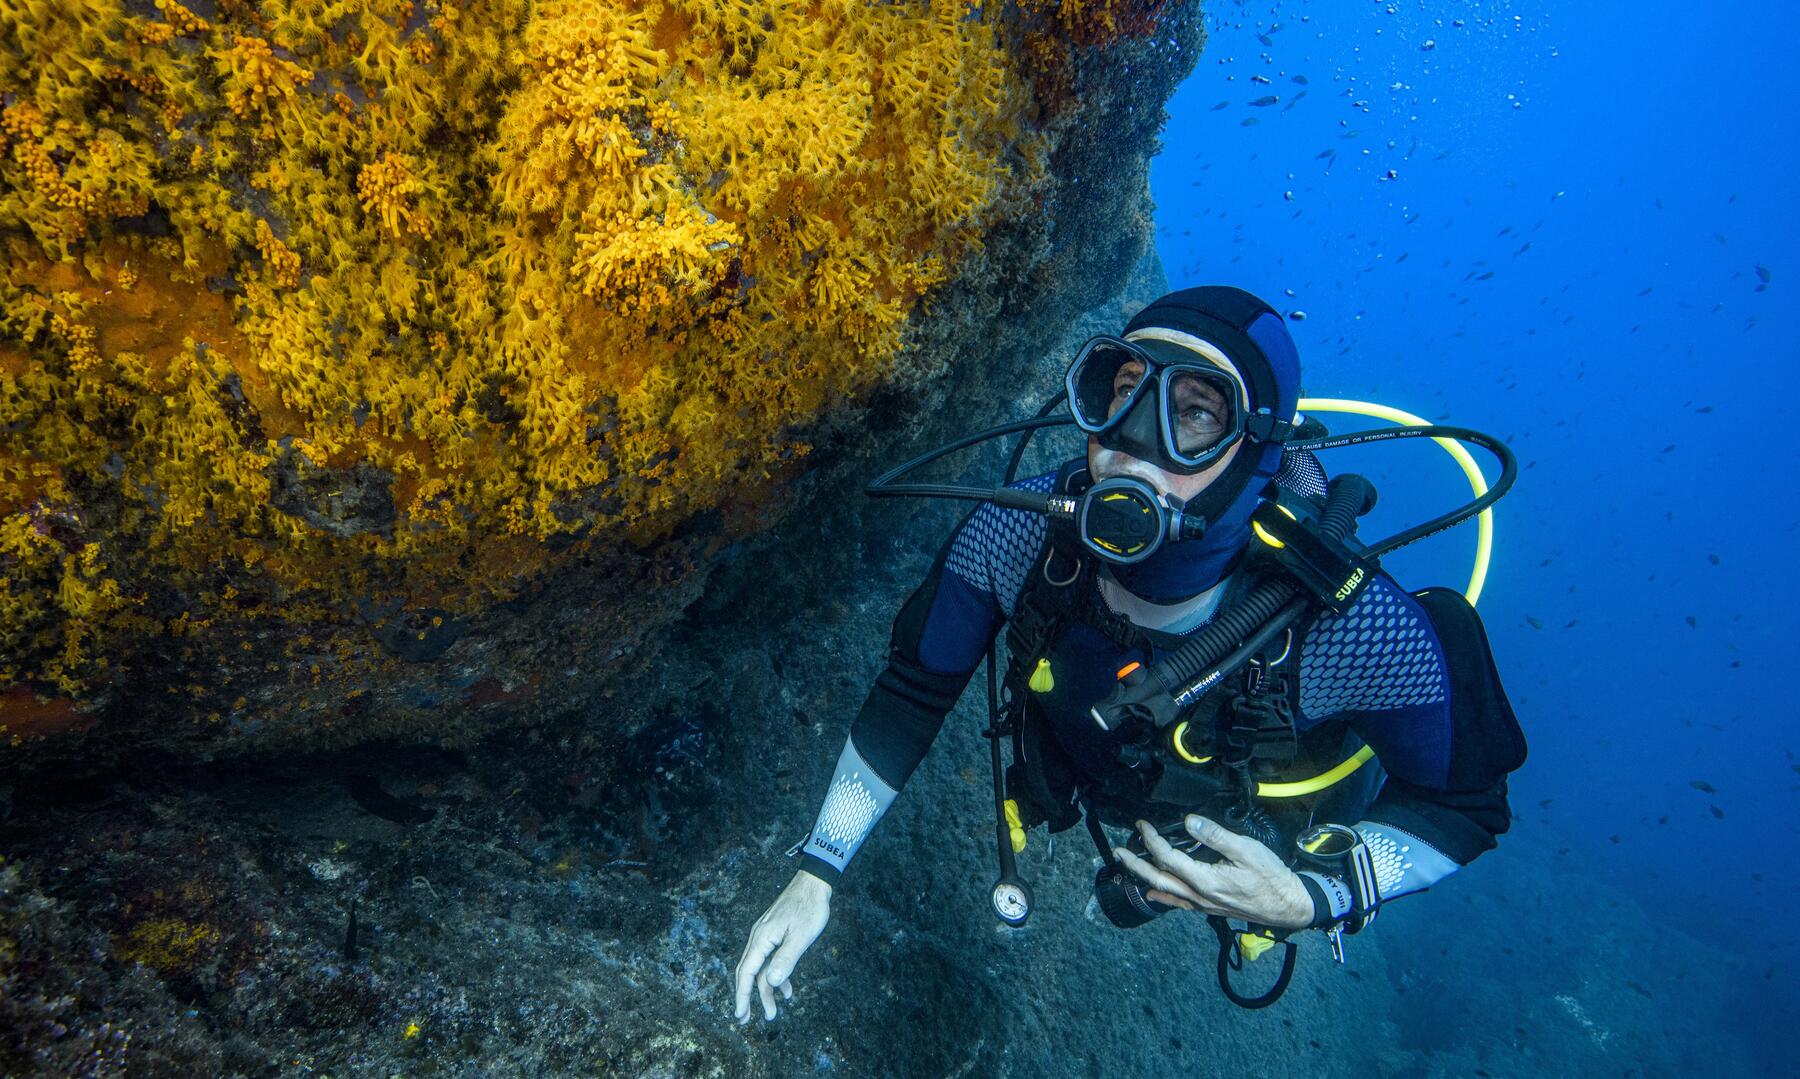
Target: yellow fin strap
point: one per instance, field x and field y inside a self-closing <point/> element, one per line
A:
<point x="1041" y="681"/>
<point x="1016" y="825"/>
<point x="1253" y="945"/>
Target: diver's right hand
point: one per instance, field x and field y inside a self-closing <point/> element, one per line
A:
<point x="777" y="941"/>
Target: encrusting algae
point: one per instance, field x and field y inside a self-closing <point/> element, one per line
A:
<point x="316" y="304"/>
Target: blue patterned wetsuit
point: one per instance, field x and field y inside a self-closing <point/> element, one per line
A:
<point x="1380" y="669"/>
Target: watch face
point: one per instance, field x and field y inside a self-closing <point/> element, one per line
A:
<point x="1327" y="842"/>
<point x="1010" y="902"/>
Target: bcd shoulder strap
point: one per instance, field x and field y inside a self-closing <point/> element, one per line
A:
<point x="1047" y="599"/>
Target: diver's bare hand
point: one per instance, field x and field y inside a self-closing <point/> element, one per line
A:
<point x="1248" y="882"/>
<point x="777" y="941"/>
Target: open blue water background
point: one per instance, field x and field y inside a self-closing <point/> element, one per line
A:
<point x="1642" y="598"/>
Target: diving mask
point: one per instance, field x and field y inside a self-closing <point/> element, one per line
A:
<point x="1163" y="404"/>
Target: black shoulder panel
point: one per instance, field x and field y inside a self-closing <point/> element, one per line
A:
<point x="1485" y="742"/>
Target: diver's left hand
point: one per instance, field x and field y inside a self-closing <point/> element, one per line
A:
<point x="1248" y="882"/>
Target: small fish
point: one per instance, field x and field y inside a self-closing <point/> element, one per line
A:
<point x="1703" y="409"/>
<point x="1322" y="154"/>
<point x="1534" y="623"/>
<point x="1265" y="101"/>
<point x="1570" y="624"/>
<point x="1720" y="236"/>
<point x="1762" y="274"/>
<point x="1664" y="819"/>
<point x="1260" y="80"/>
<point x="1693" y="623"/>
<point x="1796" y="768"/>
<point x="1667" y="448"/>
<point x="1639" y="990"/>
<point x="1647" y="291"/>
<point x="1522" y="250"/>
<point x="1615" y="837"/>
<point x="1713" y="558"/>
<point x="1249" y="121"/>
<point x="1297" y="316"/>
<point x="1263" y="39"/>
<point x="1221" y="105"/>
<point x="1300" y="80"/>
<point x="1545" y="803"/>
<point x="1703" y="786"/>
<point x="1717" y="812"/>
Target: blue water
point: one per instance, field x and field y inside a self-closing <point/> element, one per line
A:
<point x="1642" y="596"/>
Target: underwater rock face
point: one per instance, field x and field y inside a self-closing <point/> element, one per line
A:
<point x="571" y="901"/>
<point x="400" y="370"/>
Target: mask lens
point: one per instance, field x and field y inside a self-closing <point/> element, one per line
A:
<point x="1200" y="410"/>
<point x="1101" y="382"/>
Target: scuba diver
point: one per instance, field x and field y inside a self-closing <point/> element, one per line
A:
<point x="1200" y="649"/>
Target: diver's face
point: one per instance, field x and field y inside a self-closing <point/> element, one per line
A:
<point x="1204" y="406"/>
<point x="1105" y="464"/>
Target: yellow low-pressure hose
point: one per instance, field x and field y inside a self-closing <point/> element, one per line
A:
<point x="1484" y="539"/>
<point x="1316" y="783"/>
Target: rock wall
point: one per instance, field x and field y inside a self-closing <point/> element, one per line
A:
<point x="571" y="899"/>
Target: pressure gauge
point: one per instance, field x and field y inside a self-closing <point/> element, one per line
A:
<point x="1012" y="902"/>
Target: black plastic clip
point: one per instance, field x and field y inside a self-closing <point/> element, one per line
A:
<point x="1332" y="571"/>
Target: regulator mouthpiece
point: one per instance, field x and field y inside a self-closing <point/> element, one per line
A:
<point x="1125" y="520"/>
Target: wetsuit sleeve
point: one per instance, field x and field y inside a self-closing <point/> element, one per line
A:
<point x="1415" y="678"/>
<point x="938" y="639"/>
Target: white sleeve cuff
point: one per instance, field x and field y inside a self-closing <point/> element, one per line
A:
<point x="1404" y="863"/>
<point x="856" y="800"/>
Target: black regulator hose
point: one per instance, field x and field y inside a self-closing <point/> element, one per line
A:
<point x="1350" y="497"/>
<point x="1152" y="696"/>
<point x="884" y="485"/>
<point x="1509" y="474"/>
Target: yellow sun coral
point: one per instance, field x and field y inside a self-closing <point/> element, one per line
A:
<point x="396" y="300"/>
<point x="252" y="75"/>
<point x="387" y="188"/>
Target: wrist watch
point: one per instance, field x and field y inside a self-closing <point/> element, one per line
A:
<point x="1340" y="851"/>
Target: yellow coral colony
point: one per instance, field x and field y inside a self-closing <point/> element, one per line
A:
<point x="564" y="269"/>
